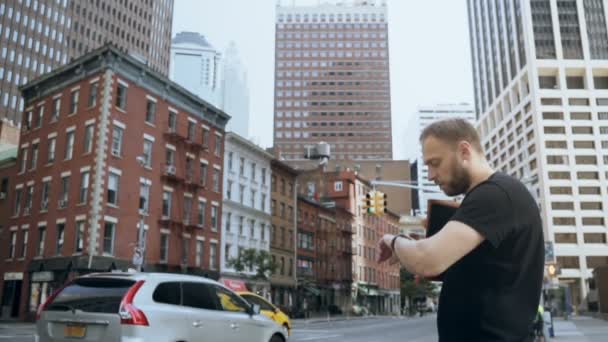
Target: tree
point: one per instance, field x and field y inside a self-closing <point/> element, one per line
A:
<point x="256" y="260"/>
<point x="413" y="287"/>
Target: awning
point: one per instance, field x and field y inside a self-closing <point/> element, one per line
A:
<point x="234" y="284"/>
<point x="313" y="290"/>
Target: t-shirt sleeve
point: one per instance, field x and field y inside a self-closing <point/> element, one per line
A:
<point x="489" y="210"/>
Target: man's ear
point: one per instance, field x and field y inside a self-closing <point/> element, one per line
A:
<point x="465" y="149"/>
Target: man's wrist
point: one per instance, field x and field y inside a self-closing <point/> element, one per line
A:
<point x="395" y="240"/>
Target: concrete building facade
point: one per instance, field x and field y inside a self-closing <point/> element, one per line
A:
<point x="247" y="209"/>
<point x="540" y="71"/>
<point x="38" y="36"/>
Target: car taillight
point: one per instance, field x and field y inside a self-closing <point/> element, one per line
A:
<point x="129" y="313"/>
<point x="49" y="300"/>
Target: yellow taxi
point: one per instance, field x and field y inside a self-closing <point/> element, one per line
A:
<point x="268" y="309"/>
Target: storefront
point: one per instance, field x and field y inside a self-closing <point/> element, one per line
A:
<point x="11" y="295"/>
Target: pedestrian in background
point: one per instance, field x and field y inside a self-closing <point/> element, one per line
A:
<point x="490" y="253"/>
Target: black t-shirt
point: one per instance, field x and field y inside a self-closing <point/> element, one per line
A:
<point x="492" y="293"/>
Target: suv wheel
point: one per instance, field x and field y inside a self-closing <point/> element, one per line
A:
<point x="277" y="338"/>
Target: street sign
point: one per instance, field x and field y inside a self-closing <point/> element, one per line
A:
<point x="138" y="256"/>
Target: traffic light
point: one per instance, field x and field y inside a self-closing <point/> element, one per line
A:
<point x="380" y="203"/>
<point x="370" y="203"/>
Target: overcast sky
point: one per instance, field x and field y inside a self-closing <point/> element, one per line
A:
<point x="430" y="60"/>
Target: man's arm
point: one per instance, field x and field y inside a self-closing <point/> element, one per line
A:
<point x="431" y="257"/>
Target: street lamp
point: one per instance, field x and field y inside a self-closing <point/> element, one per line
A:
<point x="140" y="249"/>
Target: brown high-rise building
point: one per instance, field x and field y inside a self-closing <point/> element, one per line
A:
<point x="37" y="36"/>
<point x="332" y="80"/>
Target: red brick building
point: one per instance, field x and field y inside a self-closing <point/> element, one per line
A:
<point x="373" y="286"/>
<point x="106" y="143"/>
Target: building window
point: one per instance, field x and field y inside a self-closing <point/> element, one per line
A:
<point x="121" y="97"/>
<point x="214" y="218"/>
<point x="228" y="219"/>
<point x="338" y="186"/>
<point x="242" y="167"/>
<point x="187" y="210"/>
<point x="241" y="220"/>
<point x="144" y="197"/>
<point x="230" y="155"/>
<point x="229" y="190"/>
<point x="203" y="174"/>
<point x="242" y="193"/>
<point x="24" y="244"/>
<point x="263" y="176"/>
<point x="34" y="159"/>
<point x="172" y="122"/>
<point x="199" y="253"/>
<point x="44" y="202"/>
<point x="108" y="238"/>
<point x="253" y="198"/>
<point x="69" y="145"/>
<point x="51" y="151"/>
<point x="74" y="101"/>
<point x="148" y="152"/>
<point x="93" y="94"/>
<point x="41" y="240"/>
<point x="60" y="237"/>
<point x="263" y="206"/>
<point x="185" y="250"/>
<point x="117" y="134"/>
<point x="205" y="138"/>
<point x="56" y="109"/>
<point x="167" y="195"/>
<point x="65" y="188"/>
<point x="84" y="187"/>
<point x="216" y="180"/>
<point x="112" y="195"/>
<point x="164" y="247"/>
<point x="23" y="164"/>
<point x="218" y="145"/>
<point x="201" y="213"/>
<point x="150" y="111"/>
<point x="12" y="246"/>
<point x="253" y="171"/>
<point x="191" y="128"/>
<point x="88" y="138"/>
<point x="17" y="207"/>
<point x="79" y="245"/>
<point x="213" y="256"/>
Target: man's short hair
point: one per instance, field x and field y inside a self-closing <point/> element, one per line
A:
<point x="452" y="131"/>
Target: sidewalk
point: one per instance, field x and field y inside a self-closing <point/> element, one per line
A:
<point x="580" y="329"/>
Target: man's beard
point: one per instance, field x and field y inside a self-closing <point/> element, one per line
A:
<point x="460" y="183"/>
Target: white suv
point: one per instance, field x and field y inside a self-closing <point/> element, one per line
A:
<point x="151" y="307"/>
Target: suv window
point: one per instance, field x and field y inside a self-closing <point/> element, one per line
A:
<point x="102" y="295"/>
<point x="168" y="293"/>
<point x="199" y="295"/>
<point x="264" y="305"/>
<point x="230" y="301"/>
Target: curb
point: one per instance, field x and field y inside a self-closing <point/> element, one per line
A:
<point x="338" y="319"/>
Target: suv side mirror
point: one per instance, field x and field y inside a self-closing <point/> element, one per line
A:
<point x="254" y="310"/>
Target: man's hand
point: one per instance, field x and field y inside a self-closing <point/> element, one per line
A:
<point x="385" y="251"/>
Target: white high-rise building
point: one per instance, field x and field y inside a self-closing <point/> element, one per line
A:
<point x="540" y="70"/>
<point x="196" y="66"/>
<point x="246" y="213"/>
<point x="235" y="93"/>
<point x="424" y="117"/>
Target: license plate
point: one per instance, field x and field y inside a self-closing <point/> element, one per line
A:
<point x="77" y="331"/>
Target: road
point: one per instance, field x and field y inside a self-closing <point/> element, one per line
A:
<point x="384" y="329"/>
<point x="374" y="329"/>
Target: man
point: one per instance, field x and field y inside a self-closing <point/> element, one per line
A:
<point x="491" y="252"/>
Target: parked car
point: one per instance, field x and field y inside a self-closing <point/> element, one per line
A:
<point x="151" y="307"/>
<point x="268" y="309"/>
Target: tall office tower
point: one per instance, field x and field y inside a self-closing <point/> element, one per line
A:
<point x="37" y="36"/>
<point x="424" y="117"/>
<point x="332" y="80"/>
<point x="195" y="65"/>
<point x="235" y="92"/>
<point x="540" y="69"/>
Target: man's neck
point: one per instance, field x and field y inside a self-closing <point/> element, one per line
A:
<point x="480" y="174"/>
